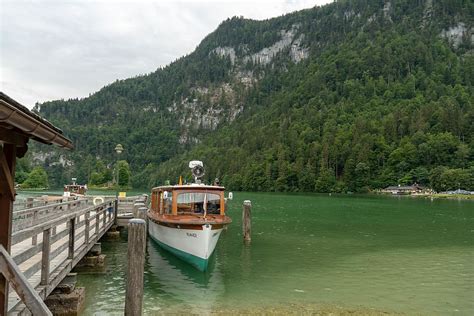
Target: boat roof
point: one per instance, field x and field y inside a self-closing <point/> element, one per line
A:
<point x="193" y="186"/>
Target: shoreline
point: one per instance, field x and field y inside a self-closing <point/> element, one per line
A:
<point x="445" y="196"/>
<point x="466" y="197"/>
<point x="455" y="196"/>
<point x="290" y="309"/>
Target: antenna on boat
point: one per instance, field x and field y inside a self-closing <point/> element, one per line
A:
<point x="197" y="169"/>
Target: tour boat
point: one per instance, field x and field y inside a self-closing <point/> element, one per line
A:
<point x="188" y="219"/>
<point x="75" y="189"/>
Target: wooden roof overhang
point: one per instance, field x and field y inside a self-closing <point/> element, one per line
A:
<point x="19" y="121"/>
<point x="17" y="126"/>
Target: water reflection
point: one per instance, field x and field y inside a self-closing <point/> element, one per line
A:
<point x="406" y="255"/>
<point x="173" y="285"/>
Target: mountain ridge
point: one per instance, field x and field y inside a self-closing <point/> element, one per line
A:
<point x="247" y="71"/>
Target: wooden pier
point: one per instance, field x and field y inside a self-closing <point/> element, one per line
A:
<point x="48" y="241"/>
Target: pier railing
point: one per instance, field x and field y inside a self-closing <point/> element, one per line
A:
<point x="126" y="204"/>
<point x="35" y="215"/>
<point x="30" y="202"/>
<point x="48" y="241"/>
<point x="23" y="289"/>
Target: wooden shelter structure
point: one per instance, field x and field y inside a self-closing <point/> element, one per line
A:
<point x="17" y="126"/>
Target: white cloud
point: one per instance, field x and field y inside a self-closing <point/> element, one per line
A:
<point x="68" y="49"/>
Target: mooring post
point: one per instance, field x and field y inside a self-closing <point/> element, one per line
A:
<point x="29" y="202"/>
<point x="142" y="212"/>
<point x="136" y="206"/>
<point x="247" y="221"/>
<point x="136" y="261"/>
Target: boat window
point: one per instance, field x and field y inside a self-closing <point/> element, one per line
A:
<point x="198" y="203"/>
<point x="167" y="202"/>
<point x="154" y="201"/>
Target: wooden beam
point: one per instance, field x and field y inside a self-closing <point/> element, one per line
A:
<point x="72" y="237"/>
<point x="28" y="295"/>
<point x="8" y="154"/>
<point x="45" y="264"/>
<point x="10" y="136"/>
<point x="6" y="173"/>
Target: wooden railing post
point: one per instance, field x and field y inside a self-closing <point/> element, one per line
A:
<point x="104" y="218"/>
<point x="107" y="211"/>
<point x="72" y="237"/>
<point x="97" y="222"/>
<point x="115" y="211"/>
<point x="34" y="239"/>
<point x="86" y="227"/>
<point x="45" y="257"/>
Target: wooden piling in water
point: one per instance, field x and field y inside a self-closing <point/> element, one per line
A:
<point x="142" y="212"/>
<point x="136" y="206"/>
<point x="136" y="261"/>
<point x="247" y="221"/>
<point x="29" y="202"/>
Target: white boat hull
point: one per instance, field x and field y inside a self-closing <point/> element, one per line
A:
<point x="192" y="245"/>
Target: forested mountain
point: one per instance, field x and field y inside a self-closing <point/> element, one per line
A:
<point x="351" y="96"/>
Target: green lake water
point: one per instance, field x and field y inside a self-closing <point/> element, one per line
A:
<point x="406" y="255"/>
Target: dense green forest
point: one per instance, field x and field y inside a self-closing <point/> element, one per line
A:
<point x="351" y="96"/>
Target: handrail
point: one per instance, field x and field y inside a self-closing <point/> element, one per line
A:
<point x="26" y="218"/>
<point x="39" y="228"/>
<point x="62" y="235"/>
<point x="24" y="212"/>
<point x="12" y="273"/>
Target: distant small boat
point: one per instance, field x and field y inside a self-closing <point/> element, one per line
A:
<point x="75" y="189"/>
<point x="187" y="220"/>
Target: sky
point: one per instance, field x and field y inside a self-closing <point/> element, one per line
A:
<point x="53" y="50"/>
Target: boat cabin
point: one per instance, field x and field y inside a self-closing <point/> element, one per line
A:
<point x="194" y="199"/>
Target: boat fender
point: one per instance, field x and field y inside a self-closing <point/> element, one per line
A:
<point x="98" y="200"/>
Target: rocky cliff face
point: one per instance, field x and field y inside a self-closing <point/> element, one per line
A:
<point x="212" y="105"/>
<point x="205" y="111"/>
<point x="458" y="33"/>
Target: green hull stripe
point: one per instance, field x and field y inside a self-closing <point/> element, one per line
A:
<point x="199" y="263"/>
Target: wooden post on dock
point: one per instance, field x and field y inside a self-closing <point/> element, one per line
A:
<point x="247" y="221"/>
<point x="142" y="212"/>
<point x="136" y="262"/>
<point x="136" y="206"/>
<point x="29" y="202"/>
